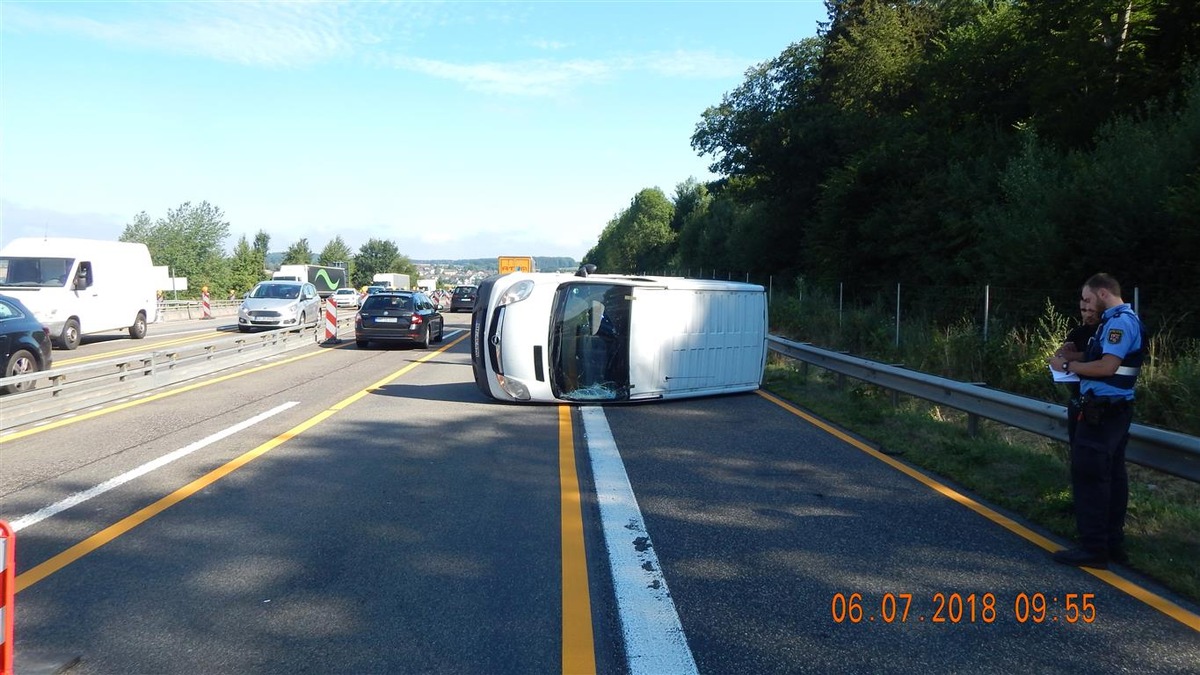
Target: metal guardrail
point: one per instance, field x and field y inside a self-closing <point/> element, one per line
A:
<point x="74" y="388"/>
<point x="1168" y="451"/>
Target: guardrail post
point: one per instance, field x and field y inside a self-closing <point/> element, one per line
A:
<point x="8" y="592"/>
<point x="972" y="425"/>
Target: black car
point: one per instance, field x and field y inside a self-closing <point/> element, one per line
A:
<point x="463" y="298"/>
<point x="398" y="316"/>
<point x="24" y="343"/>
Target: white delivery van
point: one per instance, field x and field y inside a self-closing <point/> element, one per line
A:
<point x="538" y="337"/>
<point x="81" y="286"/>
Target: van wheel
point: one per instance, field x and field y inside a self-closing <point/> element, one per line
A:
<point x="69" y="338"/>
<point x="138" y="330"/>
<point x="20" y="363"/>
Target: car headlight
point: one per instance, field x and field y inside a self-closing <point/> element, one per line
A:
<point x="516" y="293"/>
<point x="513" y="388"/>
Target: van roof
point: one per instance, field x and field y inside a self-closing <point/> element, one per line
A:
<point x="70" y="247"/>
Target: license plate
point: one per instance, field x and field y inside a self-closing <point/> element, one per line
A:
<point x="386" y="319"/>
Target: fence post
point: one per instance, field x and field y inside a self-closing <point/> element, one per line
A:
<point x="841" y="289"/>
<point x="987" y="297"/>
<point x="897" y="315"/>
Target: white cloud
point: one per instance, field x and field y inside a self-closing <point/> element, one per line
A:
<point x="531" y="78"/>
<point x="546" y="77"/>
<point x="271" y="34"/>
<point x="694" y="64"/>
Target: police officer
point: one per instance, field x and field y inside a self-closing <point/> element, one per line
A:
<point x="1107" y="373"/>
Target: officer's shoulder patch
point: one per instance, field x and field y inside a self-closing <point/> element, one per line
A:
<point x="1114" y="336"/>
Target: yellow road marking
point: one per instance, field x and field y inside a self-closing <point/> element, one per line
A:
<point x="1150" y="598"/>
<point x="578" y="649"/>
<point x="128" y="523"/>
<point x="153" y="397"/>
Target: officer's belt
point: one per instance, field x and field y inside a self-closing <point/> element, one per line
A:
<point x="1127" y="370"/>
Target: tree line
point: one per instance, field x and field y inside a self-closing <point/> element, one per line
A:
<point x="1019" y="143"/>
<point x="190" y="241"/>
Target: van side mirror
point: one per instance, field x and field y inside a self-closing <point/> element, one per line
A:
<point x="585" y="269"/>
<point x="83" y="277"/>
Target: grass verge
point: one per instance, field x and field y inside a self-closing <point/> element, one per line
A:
<point x="1024" y="473"/>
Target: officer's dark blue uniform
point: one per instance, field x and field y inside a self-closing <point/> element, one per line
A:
<point x="1098" y="475"/>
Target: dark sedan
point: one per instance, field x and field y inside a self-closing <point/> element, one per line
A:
<point x="463" y="298"/>
<point x="398" y="316"/>
<point x="24" y="343"/>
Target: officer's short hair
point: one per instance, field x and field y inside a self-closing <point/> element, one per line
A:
<point x="1105" y="281"/>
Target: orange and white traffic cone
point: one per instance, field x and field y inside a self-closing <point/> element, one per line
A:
<point x="331" y="321"/>
<point x="205" y="304"/>
<point x="8" y="591"/>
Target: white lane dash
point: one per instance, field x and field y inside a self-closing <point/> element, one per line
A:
<point x="650" y="626"/>
<point x="80" y="497"/>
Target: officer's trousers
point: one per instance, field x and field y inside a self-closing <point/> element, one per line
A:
<point x="1100" y="480"/>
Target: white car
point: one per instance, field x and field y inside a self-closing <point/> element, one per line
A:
<point x="345" y="297"/>
<point x="544" y="337"/>
<point x="279" y="304"/>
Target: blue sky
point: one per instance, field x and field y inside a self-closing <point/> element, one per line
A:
<point x="455" y="129"/>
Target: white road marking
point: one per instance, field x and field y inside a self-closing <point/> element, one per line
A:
<point x="81" y="497"/>
<point x="653" y="634"/>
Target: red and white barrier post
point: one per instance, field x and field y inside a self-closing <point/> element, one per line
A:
<point x="8" y="591"/>
<point x="205" y="304"/>
<point x="331" y="320"/>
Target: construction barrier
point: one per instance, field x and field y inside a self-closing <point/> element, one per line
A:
<point x="331" y="321"/>
<point x="8" y="591"/>
<point x="205" y="305"/>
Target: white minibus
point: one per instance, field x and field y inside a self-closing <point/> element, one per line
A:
<point x="542" y="337"/>
<point x="81" y="286"/>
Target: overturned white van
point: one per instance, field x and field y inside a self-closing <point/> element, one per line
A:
<point x="540" y="337"/>
<point x="81" y="286"/>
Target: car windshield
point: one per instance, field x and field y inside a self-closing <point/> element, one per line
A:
<point x="463" y="290"/>
<point x="20" y="271"/>
<point x="589" y="346"/>
<point x="275" y="291"/>
<point x="381" y="303"/>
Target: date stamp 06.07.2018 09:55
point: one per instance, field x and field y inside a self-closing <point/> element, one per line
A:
<point x="955" y="608"/>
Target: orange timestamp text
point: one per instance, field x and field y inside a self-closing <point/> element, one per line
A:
<point x="955" y="608"/>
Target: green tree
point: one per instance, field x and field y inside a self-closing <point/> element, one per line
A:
<point x="337" y="253"/>
<point x="189" y="240"/>
<point x="246" y="266"/>
<point x="380" y="256"/>
<point x="262" y="244"/>
<point x="298" y="253"/>
<point x="640" y="238"/>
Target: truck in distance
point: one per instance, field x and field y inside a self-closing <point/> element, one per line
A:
<point x="325" y="278"/>
<point x="391" y="281"/>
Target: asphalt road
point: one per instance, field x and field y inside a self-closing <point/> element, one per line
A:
<point x="368" y="511"/>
